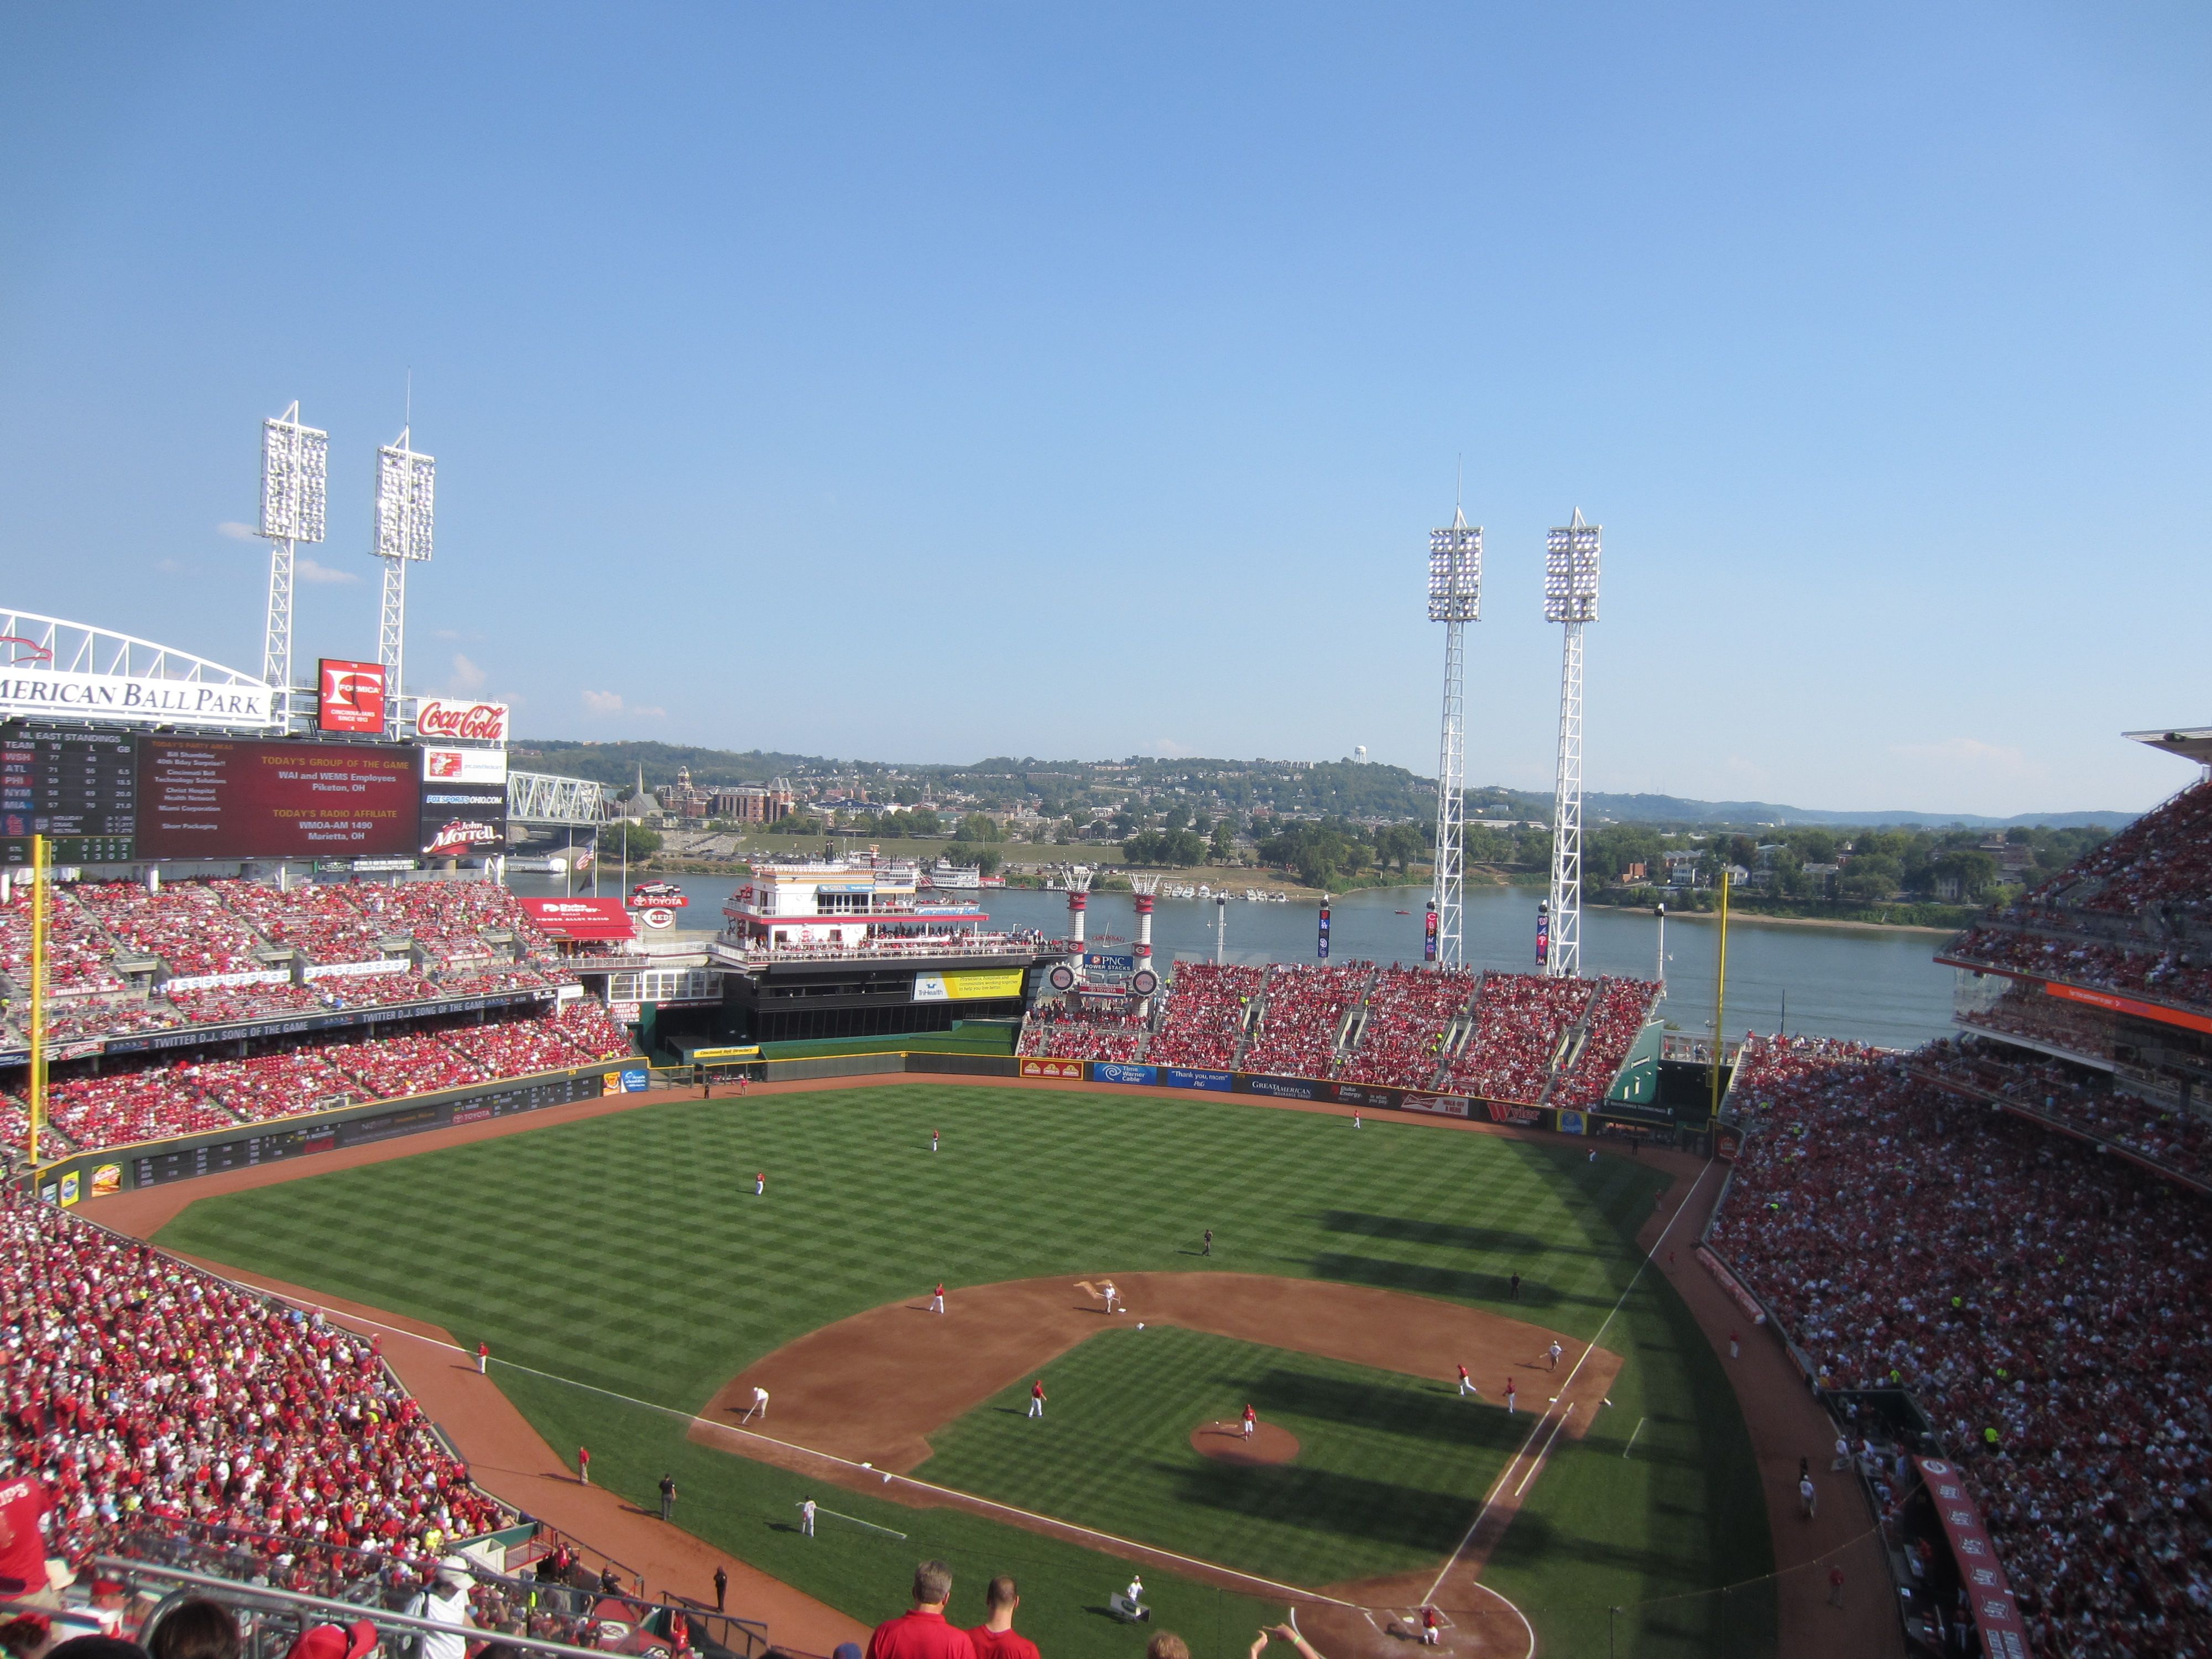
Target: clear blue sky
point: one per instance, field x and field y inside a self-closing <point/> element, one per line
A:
<point x="932" y="382"/>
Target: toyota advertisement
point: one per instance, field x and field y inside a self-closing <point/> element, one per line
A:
<point x="220" y="799"/>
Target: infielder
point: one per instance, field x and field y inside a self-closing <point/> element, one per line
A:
<point x="760" y="1405"/>
<point x="806" y="1519"/>
<point x="1467" y="1384"/>
<point x="1251" y="1420"/>
<point x="936" y="1298"/>
<point x="1554" y="1351"/>
<point x="1036" y="1398"/>
<point x="1509" y="1396"/>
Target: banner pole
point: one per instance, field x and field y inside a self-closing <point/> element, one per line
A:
<point x="39" y="874"/>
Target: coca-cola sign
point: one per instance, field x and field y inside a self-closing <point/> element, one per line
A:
<point x="472" y="722"/>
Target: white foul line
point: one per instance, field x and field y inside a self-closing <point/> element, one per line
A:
<point x="1588" y="1348"/>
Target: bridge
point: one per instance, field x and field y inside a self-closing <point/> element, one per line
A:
<point x="561" y="803"/>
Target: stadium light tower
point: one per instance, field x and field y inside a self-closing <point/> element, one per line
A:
<point x="294" y="471"/>
<point x="1454" y="600"/>
<point x="1571" y="557"/>
<point x="405" y="485"/>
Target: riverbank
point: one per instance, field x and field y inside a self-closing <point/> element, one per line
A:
<point x="1736" y="914"/>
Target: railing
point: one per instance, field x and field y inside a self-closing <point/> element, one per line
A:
<point x="993" y="945"/>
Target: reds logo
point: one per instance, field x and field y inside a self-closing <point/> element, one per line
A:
<point x="353" y="696"/>
<point x="478" y="722"/>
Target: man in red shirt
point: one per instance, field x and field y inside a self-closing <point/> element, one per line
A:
<point x="923" y="1633"/>
<point x="23" y="1504"/>
<point x="996" y="1638"/>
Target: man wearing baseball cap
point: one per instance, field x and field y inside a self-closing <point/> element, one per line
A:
<point x="354" y="1641"/>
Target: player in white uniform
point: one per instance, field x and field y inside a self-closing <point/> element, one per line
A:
<point x="760" y="1405"/>
<point x="1112" y="1296"/>
<point x="806" y="1519"/>
<point x="1555" y="1352"/>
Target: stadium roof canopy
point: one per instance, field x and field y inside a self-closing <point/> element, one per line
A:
<point x="2192" y="743"/>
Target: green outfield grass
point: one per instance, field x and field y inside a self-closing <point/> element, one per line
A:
<point x="1380" y="1485"/>
<point x="628" y="1254"/>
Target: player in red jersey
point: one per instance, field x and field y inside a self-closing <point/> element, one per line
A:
<point x="936" y="1298"/>
<point x="996" y="1638"/>
<point x="923" y="1633"/>
<point x="1467" y="1383"/>
<point x="1251" y="1421"/>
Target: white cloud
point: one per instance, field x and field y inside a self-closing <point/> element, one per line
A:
<point x="1168" y="749"/>
<point x="467" y="676"/>
<point x="611" y="703"/>
<point x="305" y="570"/>
<point x="169" y="567"/>
<point x="235" y="531"/>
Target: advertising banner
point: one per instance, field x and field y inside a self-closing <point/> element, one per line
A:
<point x="1364" y="1094"/>
<point x="106" y="1180"/>
<point x="580" y="919"/>
<point x="1323" y="946"/>
<point x="464" y="766"/>
<point x="1437" y="1105"/>
<point x="635" y="1078"/>
<point x="1070" y="1069"/>
<point x="1996" y="1614"/>
<point x="1428" y="935"/>
<point x="1192" y="1077"/>
<point x="2120" y="1005"/>
<point x="1114" y="1071"/>
<point x="439" y="717"/>
<point x="51" y="694"/>
<point x="1506" y="1111"/>
<point x="1281" y="1088"/>
<point x="1105" y="962"/>
<point x="211" y="798"/>
<point x="352" y="697"/>
<point x="1572" y="1122"/>
<point x="976" y="986"/>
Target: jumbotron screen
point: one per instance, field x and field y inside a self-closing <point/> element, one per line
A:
<point x="212" y="798"/>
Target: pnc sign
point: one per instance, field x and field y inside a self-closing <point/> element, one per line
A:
<point x="474" y="722"/>
<point x="353" y="696"/>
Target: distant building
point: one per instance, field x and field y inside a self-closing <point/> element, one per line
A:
<point x="751" y="804"/>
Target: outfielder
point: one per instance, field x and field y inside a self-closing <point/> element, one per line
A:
<point x="760" y="1405"/>
<point x="1036" y="1398"/>
<point x="760" y="1183"/>
<point x="806" y="1519"/>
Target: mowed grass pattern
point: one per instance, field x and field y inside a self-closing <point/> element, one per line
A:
<point x="1380" y="1484"/>
<point x="628" y="1254"/>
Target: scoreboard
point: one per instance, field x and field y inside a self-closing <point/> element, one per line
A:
<point x="79" y="788"/>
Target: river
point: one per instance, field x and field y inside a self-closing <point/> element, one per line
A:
<point x="1873" y="984"/>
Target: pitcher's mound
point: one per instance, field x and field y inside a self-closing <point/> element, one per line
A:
<point x="1226" y="1442"/>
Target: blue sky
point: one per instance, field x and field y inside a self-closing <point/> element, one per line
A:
<point x="928" y="383"/>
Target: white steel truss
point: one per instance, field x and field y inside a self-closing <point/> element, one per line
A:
<point x="1570" y="582"/>
<point x="294" y="480"/>
<point x="1454" y="599"/>
<point x="406" y="484"/>
<point x="32" y="642"/>
<point x="542" y="798"/>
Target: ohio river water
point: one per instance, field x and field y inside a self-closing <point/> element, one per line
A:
<point x="1875" y="985"/>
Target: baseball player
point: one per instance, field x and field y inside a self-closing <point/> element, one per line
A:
<point x="1509" y="1397"/>
<point x="760" y="1405"/>
<point x="1467" y="1384"/>
<point x="1251" y="1420"/>
<point x="1355" y="1120"/>
<point x="1554" y="1351"/>
<point x="936" y="1298"/>
<point x="483" y="1358"/>
<point x="760" y="1182"/>
<point x="806" y="1519"/>
<point x="1431" y="1635"/>
<point x="932" y="1140"/>
<point x="1111" y="1296"/>
<point x="1036" y="1398"/>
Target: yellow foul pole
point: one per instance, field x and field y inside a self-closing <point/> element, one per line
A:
<point x="1720" y="997"/>
<point x="38" y="992"/>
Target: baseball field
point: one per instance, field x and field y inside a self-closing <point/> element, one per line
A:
<point x="634" y="1290"/>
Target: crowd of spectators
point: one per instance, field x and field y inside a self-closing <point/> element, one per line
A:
<point x="2040" y="1301"/>
<point x="1616" y="1014"/>
<point x="2169" y="975"/>
<point x="2161" y="862"/>
<point x="1409" y="1012"/>
<point x="185" y="925"/>
<point x="1304" y="1007"/>
<point x="2025" y="1011"/>
<point x="190" y="1097"/>
<point x="326" y="921"/>
<point x="1066" y="1031"/>
<point x="230" y="1005"/>
<point x="1519" y="1020"/>
<point x="1765" y="1063"/>
<point x="136" y="1385"/>
<point x="2078" y="1096"/>
<point x="1205" y="1014"/>
<point x="77" y="949"/>
<point x="449" y="919"/>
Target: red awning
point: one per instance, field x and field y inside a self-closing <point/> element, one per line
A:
<point x="579" y="919"/>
